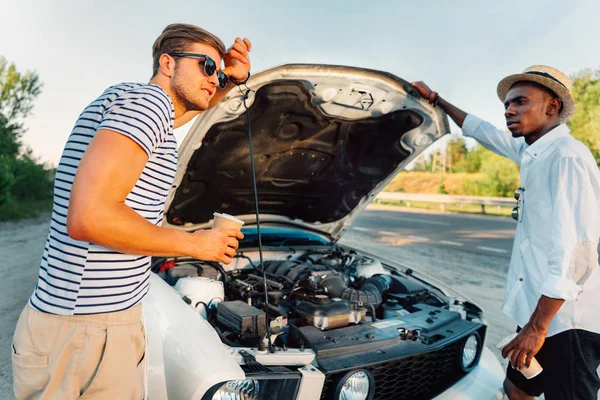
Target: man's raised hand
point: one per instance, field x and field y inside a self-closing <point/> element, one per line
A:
<point x="423" y="89"/>
<point x="237" y="60"/>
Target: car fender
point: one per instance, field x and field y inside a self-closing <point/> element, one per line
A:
<point x="185" y="355"/>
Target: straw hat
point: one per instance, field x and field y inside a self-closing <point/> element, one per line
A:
<point x="546" y="76"/>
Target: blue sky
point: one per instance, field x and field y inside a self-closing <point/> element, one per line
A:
<point x="461" y="48"/>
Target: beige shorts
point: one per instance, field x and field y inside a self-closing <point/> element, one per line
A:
<point x="98" y="356"/>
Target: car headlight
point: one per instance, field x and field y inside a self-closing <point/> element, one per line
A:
<point x="470" y="352"/>
<point x="238" y="390"/>
<point x="264" y="387"/>
<point x="356" y="385"/>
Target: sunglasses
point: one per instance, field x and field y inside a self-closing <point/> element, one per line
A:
<point x="517" y="212"/>
<point x="210" y="66"/>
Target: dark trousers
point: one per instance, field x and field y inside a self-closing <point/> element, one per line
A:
<point x="570" y="360"/>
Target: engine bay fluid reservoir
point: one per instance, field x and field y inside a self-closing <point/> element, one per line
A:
<point x="331" y="315"/>
<point x="392" y="308"/>
<point x="203" y="292"/>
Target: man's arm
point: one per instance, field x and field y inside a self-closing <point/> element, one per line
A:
<point x="486" y="134"/>
<point x="97" y="212"/>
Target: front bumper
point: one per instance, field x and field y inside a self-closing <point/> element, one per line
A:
<point x="484" y="382"/>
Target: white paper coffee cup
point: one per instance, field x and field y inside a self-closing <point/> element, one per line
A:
<point x="226" y="221"/>
<point x="534" y="368"/>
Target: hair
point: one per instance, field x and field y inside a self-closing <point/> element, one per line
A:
<point x="544" y="89"/>
<point x="177" y="38"/>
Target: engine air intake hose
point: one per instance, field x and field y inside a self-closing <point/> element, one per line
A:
<point x="394" y="284"/>
<point x="373" y="290"/>
<point x="336" y="287"/>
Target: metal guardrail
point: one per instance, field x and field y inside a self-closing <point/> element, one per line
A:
<point x="444" y="199"/>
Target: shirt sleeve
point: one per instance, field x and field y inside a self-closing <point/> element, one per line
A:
<point x="574" y="245"/>
<point x="142" y="114"/>
<point x="492" y="138"/>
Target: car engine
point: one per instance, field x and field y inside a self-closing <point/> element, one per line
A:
<point x="315" y="292"/>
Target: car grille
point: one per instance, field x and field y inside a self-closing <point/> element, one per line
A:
<point x="420" y="376"/>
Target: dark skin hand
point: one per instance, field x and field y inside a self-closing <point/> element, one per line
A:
<point x="533" y="335"/>
<point x="457" y="115"/>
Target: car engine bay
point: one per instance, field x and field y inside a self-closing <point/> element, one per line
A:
<point x="330" y="300"/>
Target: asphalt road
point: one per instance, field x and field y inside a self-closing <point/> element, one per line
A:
<point x="470" y="233"/>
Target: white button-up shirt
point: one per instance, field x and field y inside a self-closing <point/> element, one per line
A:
<point x="555" y="252"/>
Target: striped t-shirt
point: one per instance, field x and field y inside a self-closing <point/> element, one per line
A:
<point x="83" y="278"/>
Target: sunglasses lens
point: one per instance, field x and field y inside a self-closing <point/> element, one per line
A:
<point x="222" y="80"/>
<point x="519" y="193"/>
<point x="209" y="66"/>
<point x="515" y="213"/>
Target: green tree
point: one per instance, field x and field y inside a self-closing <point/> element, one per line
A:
<point x="473" y="159"/>
<point x="17" y="94"/>
<point x="25" y="183"/>
<point x="457" y="154"/>
<point x="585" y="124"/>
<point x="7" y="179"/>
<point x="501" y="175"/>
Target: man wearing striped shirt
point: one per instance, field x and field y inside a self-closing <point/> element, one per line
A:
<point x="80" y="335"/>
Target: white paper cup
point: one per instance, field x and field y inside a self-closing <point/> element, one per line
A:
<point x="534" y="368"/>
<point x="226" y="221"/>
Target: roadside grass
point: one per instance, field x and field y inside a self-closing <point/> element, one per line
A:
<point x="452" y="208"/>
<point x="429" y="182"/>
<point x="13" y="210"/>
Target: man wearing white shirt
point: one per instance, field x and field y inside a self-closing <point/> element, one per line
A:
<point x="553" y="282"/>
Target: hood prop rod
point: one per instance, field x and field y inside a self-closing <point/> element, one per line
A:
<point x="262" y="267"/>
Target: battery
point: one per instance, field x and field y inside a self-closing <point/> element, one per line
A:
<point x="242" y="318"/>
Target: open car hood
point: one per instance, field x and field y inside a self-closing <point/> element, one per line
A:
<point x="326" y="140"/>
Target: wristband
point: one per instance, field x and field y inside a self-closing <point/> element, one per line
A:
<point x="433" y="98"/>
<point x="238" y="83"/>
